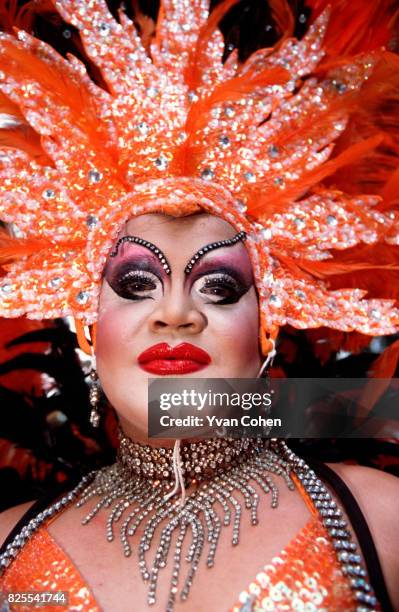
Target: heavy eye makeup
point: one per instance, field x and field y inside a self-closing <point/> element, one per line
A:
<point x="220" y="283"/>
<point x="136" y="278"/>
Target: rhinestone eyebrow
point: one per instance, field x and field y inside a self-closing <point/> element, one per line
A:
<point x="212" y="246"/>
<point x="148" y="245"/>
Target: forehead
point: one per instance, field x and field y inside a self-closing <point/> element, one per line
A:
<point x="192" y="231"/>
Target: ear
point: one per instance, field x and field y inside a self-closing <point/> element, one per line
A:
<point x="268" y="338"/>
<point x="82" y="332"/>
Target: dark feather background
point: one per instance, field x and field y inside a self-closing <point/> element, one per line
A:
<point x="45" y="435"/>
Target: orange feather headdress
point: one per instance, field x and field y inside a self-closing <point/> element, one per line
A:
<point x="297" y="146"/>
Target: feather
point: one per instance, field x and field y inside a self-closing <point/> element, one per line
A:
<point x="15" y="248"/>
<point x="356" y="26"/>
<point x="325" y="269"/>
<point x="272" y="200"/>
<point x="283" y="18"/>
<point x="196" y="59"/>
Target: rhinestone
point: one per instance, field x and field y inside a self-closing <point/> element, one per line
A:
<point x="229" y="111"/>
<point x="143" y="128"/>
<point x="300" y="294"/>
<point x="274" y="299"/>
<point x="302" y="18"/>
<point x="250" y="177"/>
<point x="6" y="288"/>
<point x="375" y="314"/>
<point x="94" y="176"/>
<point x="82" y="297"/>
<point x="55" y="282"/>
<point x="92" y="221"/>
<point x="242" y="207"/>
<point x="340" y="87"/>
<point x="67" y="33"/>
<point x="278" y="180"/>
<point x="16" y="231"/>
<point x="49" y="194"/>
<point x="207" y="174"/>
<point x="331" y="220"/>
<point x="104" y="29"/>
<point x="299" y="223"/>
<point x="161" y="163"/>
<point x="224" y="141"/>
<point x="152" y="92"/>
<point x="192" y="96"/>
<point x="273" y="151"/>
<point x="266" y="233"/>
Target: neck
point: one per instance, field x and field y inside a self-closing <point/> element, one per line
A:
<point x="138" y="436"/>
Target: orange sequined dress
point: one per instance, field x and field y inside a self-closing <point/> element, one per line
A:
<point x="306" y="575"/>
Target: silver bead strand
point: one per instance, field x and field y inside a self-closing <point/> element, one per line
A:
<point x="28" y="530"/>
<point x="351" y="562"/>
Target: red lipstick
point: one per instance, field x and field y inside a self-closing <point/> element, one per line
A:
<point x="166" y="360"/>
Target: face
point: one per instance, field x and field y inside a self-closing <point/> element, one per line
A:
<point x="150" y="302"/>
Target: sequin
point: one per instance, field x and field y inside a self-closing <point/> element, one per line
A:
<point x="161" y="116"/>
<point x="43" y="565"/>
<point x="305" y="576"/>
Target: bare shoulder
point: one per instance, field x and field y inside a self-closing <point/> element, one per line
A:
<point x="10" y="517"/>
<point x="377" y="494"/>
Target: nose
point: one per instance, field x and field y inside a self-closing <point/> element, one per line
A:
<point x="176" y="314"/>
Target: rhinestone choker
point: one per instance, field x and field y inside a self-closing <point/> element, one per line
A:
<point x="199" y="460"/>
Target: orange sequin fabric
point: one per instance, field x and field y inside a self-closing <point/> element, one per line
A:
<point x="42" y="565"/>
<point x="305" y="575"/>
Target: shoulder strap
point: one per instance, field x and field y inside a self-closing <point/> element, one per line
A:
<point x="361" y="529"/>
<point x="41" y="504"/>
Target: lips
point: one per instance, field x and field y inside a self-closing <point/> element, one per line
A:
<point x="181" y="359"/>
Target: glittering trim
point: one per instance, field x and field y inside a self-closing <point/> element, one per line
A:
<point x="145" y="243"/>
<point x="211" y="247"/>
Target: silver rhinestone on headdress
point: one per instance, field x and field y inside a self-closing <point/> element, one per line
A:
<point x="161" y="162"/>
<point x="92" y="221"/>
<point x="152" y="92"/>
<point x="55" y="282"/>
<point x="6" y="288"/>
<point x="192" y="96"/>
<point x="207" y="174"/>
<point x="224" y="141"/>
<point x="48" y="194"/>
<point x="242" y="207"/>
<point x="104" y="29"/>
<point x="229" y="111"/>
<point x="339" y="86"/>
<point x="331" y="220"/>
<point x="82" y="297"/>
<point x="143" y="128"/>
<point x="250" y="177"/>
<point x="299" y="223"/>
<point x="274" y="299"/>
<point x="273" y="151"/>
<point x="266" y="233"/>
<point x="94" y="176"/>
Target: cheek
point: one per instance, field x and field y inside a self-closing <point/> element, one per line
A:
<point x="112" y="336"/>
<point x="117" y="327"/>
<point x="237" y="332"/>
